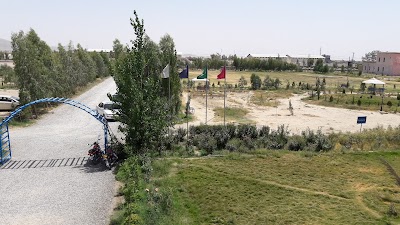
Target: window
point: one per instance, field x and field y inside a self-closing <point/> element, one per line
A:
<point x="378" y="68"/>
<point x="383" y="69"/>
<point x="365" y="68"/>
<point x="379" y="59"/>
<point x="384" y="59"/>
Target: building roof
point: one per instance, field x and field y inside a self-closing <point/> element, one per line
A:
<point x="99" y="50"/>
<point x="388" y="52"/>
<point x="267" y="55"/>
<point x="307" y="56"/>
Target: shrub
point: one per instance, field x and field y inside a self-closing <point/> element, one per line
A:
<point x="316" y="141"/>
<point x="331" y="99"/>
<point x="389" y="103"/>
<point x="231" y="130"/>
<point x="296" y="143"/>
<point x="247" y="130"/>
<point x="392" y="210"/>
<point x="264" y="131"/>
<point x="359" y="102"/>
<point x="233" y="145"/>
<point x="206" y="142"/>
<point x="180" y="134"/>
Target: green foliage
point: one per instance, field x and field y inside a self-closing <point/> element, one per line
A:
<point x="7" y="73"/>
<point x="342" y="69"/>
<point x="42" y="73"/>
<point x="255" y="81"/>
<point x="242" y="82"/>
<point x="296" y="143"/>
<point x="255" y="64"/>
<point x="320" y="67"/>
<point x="144" y="112"/>
<point x="331" y="98"/>
<point x="270" y="83"/>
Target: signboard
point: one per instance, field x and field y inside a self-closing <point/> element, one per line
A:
<point x="361" y="119"/>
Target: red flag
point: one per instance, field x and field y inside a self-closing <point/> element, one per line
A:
<point x="222" y="74"/>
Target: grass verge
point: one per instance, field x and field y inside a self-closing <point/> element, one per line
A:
<point x="277" y="187"/>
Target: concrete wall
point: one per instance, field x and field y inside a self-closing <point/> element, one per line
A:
<point x="9" y="63"/>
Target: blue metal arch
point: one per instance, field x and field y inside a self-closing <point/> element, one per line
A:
<point x="5" y="148"/>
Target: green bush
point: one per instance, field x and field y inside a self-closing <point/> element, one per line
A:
<point x="247" y="130"/>
<point x="181" y="134"/>
<point x="296" y="143"/>
<point x="389" y="103"/>
<point x="206" y="142"/>
<point x="331" y="99"/>
<point x="234" y="145"/>
<point x="264" y="131"/>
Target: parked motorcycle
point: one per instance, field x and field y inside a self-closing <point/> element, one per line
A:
<point x="95" y="153"/>
<point x="110" y="158"/>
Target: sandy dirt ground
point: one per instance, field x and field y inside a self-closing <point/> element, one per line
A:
<point x="305" y="116"/>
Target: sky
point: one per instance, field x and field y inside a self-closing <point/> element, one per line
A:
<point x="337" y="27"/>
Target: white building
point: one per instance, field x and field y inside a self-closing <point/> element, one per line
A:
<point x="268" y="56"/>
<point x="301" y="60"/>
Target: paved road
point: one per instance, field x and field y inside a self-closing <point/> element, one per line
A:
<point x="48" y="181"/>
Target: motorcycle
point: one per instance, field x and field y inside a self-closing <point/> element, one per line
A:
<point x="95" y="153"/>
<point x="110" y="158"/>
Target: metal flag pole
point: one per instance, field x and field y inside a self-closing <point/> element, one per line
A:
<point x="206" y="93"/>
<point x="188" y="108"/>
<point x="224" y="90"/>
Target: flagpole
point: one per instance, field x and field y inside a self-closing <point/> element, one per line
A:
<point x="188" y="109"/>
<point x="224" y="91"/>
<point x="206" y="93"/>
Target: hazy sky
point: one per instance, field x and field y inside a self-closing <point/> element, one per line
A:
<point x="339" y="27"/>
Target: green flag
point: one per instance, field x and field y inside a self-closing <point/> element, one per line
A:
<point x="203" y="75"/>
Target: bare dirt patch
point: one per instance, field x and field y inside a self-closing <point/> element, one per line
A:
<point x="305" y="116"/>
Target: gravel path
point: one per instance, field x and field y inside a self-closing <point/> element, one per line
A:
<point x="48" y="181"/>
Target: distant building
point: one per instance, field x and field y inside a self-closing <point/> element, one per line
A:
<point x="385" y="63"/>
<point x="301" y="60"/>
<point x="268" y="56"/>
<point x="9" y="63"/>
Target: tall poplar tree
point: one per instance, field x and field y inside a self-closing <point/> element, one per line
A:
<point x="143" y="111"/>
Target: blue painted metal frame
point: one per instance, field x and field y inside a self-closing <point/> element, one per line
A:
<point x="4" y="158"/>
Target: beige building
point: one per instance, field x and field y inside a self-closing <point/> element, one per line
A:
<point x="385" y="63"/>
<point x="284" y="58"/>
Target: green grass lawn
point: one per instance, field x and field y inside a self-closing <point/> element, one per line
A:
<point x="280" y="187"/>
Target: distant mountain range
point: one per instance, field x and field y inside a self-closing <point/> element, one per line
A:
<point x="5" y="45"/>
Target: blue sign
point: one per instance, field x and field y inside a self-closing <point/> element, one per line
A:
<point x="361" y="119"/>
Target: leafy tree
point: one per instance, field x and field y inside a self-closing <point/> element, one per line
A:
<point x="242" y="82"/>
<point x="342" y="69"/>
<point x="144" y="113"/>
<point x="7" y="73"/>
<point x="371" y="56"/>
<point x="118" y="50"/>
<point x="100" y="67"/>
<point x="33" y="62"/>
<point x="310" y="62"/>
<point x="255" y="81"/>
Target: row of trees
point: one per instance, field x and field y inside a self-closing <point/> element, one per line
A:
<point x="260" y="64"/>
<point x="41" y="72"/>
<point x="267" y="84"/>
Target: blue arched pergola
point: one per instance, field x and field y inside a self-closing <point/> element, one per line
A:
<point x="5" y="147"/>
